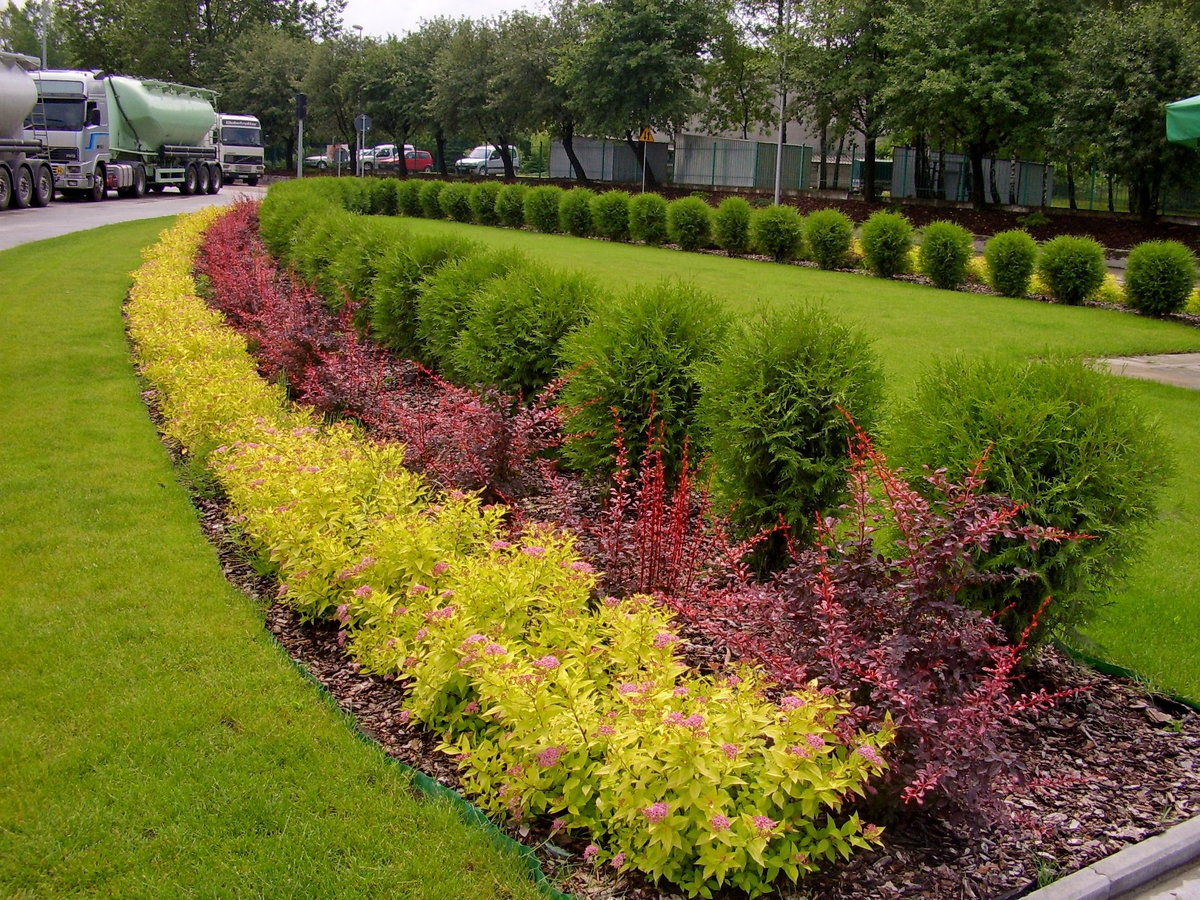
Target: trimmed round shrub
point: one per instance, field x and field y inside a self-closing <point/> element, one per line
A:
<point x="510" y="205"/>
<point x="383" y="196"/>
<point x="886" y="241"/>
<point x="483" y="202"/>
<point x="352" y="271"/>
<point x="445" y="302"/>
<point x="771" y="408"/>
<point x="541" y="208"/>
<point x="610" y="215"/>
<point x="512" y="336"/>
<point x="1065" y="440"/>
<point x="638" y="356"/>
<point x="1010" y="259"/>
<point x="355" y="194"/>
<point x="1071" y="267"/>
<point x="777" y="231"/>
<point x="648" y="219"/>
<point x="408" y="198"/>
<point x="1159" y="277"/>
<point x="397" y="284"/>
<point x="689" y="222"/>
<point x="575" y="212"/>
<point x="455" y="200"/>
<point x="731" y="226"/>
<point x="431" y="207"/>
<point x="827" y="235"/>
<point x="317" y="239"/>
<point x="946" y="250"/>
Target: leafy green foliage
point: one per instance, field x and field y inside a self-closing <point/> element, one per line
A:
<point x="352" y="271"/>
<point x="483" y="202"/>
<point x="446" y="300"/>
<point x="774" y="412"/>
<point x="946" y="249"/>
<point x="1160" y="276"/>
<point x="731" y="226"/>
<point x="636" y="361"/>
<point x="689" y="222"/>
<point x="455" y="201"/>
<point x="1011" y="256"/>
<point x="648" y="219"/>
<point x="827" y="235"/>
<point x="1063" y="439"/>
<point x="1071" y="267"/>
<point x="511" y="339"/>
<point x="541" y="208"/>
<point x="408" y="198"/>
<point x="886" y="239"/>
<point x="777" y="231"/>
<point x="431" y="207"/>
<point x="510" y="205"/>
<point x="575" y="212"/>
<point x="610" y="215"/>
<point x="383" y="196"/>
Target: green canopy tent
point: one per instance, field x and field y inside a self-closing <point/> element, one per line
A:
<point x="1183" y="122"/>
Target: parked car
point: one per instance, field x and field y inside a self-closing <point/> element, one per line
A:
<point x="486" y="160"/>
<point x="417" y="161"/>
<point x="334" y="155"/>
<point x="382" y="158"/>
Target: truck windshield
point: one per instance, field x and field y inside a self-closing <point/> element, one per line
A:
<point x="242" y="137"/>
<point x="57" y="115"/>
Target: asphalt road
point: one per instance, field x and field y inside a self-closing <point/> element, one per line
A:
<point x="20" y="226"/>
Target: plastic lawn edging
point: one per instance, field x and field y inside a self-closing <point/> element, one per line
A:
<point x="1114" y="671"/>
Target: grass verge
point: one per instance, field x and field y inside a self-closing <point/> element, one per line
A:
<point x="1152" y="623"/>
<point x="154" y="741"/>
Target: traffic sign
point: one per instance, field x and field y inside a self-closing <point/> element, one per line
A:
<point x="646" y="135"/>
<point x="362" y="123"/>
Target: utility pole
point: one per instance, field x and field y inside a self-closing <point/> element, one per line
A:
<point x="782" y="104"/>
<point x="301" y="112"/>
<point x="45" y="28"/>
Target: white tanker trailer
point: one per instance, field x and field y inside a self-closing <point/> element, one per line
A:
<point x="25" y="174"/>
<point x="110" y="132"/>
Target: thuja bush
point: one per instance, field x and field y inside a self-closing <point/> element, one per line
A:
<point x="282" y="211"/>
<point x="455" y="201"/>
<point x="689" y="222"/>
<point x="483" y="202"/>
<point x="1010" y="259"/>
<point x="887" y="238"/>
<point x="383" y="197"/>
<point x="946" y="250"/>
<point x="431" y="207"/>
<point x="446" y="300"/>
<point x="873" y="610"/>
<point x="511" y="338"/>
<point x="397" y="284"/>
<point x="541" y="208"/>
<point x="610" y="215"/>
<point x="777" y="231"/>
<point x="355" y="194"/>
<point x="827" y="235"/>
<point x="317" y="241"/>
<point x="648" y="219"/>
<point x="352" y="271"/>
<point x="633" y="368"/>
<point x="575" y="212"/>
<point x="1066" y="441"/>
<point x="1159" y="277"/>
<point x="1071" y="267"/>
<point x="408" y="198"/>
<point x="731" y="226"/>
<point x="774" y="412"/>
<point x="510" y="205"/>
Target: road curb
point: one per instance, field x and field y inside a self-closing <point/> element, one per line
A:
<point x="1130" y="868"/>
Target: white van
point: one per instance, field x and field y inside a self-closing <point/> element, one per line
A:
<point x="486" y="160"/>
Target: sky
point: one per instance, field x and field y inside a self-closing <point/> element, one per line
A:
<point x="382" y="17"/>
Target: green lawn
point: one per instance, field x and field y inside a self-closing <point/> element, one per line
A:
<point x="1153" y="622"/>
<point x="153" y="741"/>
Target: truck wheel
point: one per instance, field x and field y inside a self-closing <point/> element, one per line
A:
<point x="202" y="179"/>
<point x="22" y="195"/>
<point x="5" y="187"/>
<point x="216" y="180"/>
<point x="137" y="190"/>
<point x="252" y="180"/>
<point x="43" y="186"/>
<point x="190" y="180"/>
<point x="99" y="190"/>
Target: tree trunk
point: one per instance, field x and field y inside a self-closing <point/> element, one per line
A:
<point x="837" y="161"/>
<point x="992" y="183"/>
<point x="639" y="151"/>
<point x="440" y="144"/>
<point x="823" y="167"/>
<point x="1147" y="199"/>
<point x="291" y="153"/>
<point x="1112" y="206"/>
<point x="1074" y="204"/>
<point x="869" y="168"/>
<point x="505" y="156"/>
<point x="978" y="184"/>
<point x="568" y="142"/>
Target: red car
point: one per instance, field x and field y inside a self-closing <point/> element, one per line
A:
<point x="418" y="160"/>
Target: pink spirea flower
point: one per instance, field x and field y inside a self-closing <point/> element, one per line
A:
<point x="815" y="741"/>
<point x="733" y="681"/>
<point x="606" y="731"/>
<point x="366" y="561"/>
<point x="628" y="688"/>
<point x="618" y="860"/>
<point x="534" y="551"/>
<point x="282" y="592"/>
<point x="664" y="639"/>
<point x="764" y="824"/>
<point x="580" y="566"/>
<point x="494" y="650"/>
<point x="405" y="717"/>
<point x="590" y="852"/>
<point x="656" y="812"/>
<point x="611" y="601"/>
<point x="343" y="614"/>
<point x="341" y="640"/>
<point x="418" y="589"/>
<point x="440" y="568"/>
<point x="547" y="662"/>
<point x="549" y="757"/>
<point x="363" y="591"/>
<point x="675" y="718"/>
<point x="681" y="691"/>
<point x="473" y="639"/>
<point x="400" y="610"/>
<point x="719" y="823"/>
<point x="695" y="720"/>
<point x="471" y="708"/>
<point x="447" y="593"/>
<point x="446" y="612"/>
<point x="730" y="750"/>
<point x="791" y="703"/>
<point x="501" y="545"/>
<point x="516" y="771"/>
<point x="558" y="824"/>
<point x="870" y="754"/>
<point x="422" y="634"/>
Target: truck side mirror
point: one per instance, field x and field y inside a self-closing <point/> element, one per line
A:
<point x="93" y="116"/>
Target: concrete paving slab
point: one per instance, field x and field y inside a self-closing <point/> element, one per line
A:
<point x="1178" y="369"/>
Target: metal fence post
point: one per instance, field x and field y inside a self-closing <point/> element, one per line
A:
<point x="1092" y="189"/>
<point x="713" y="182"/>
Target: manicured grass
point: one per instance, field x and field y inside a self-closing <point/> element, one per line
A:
<point x="1153" y="622"/>
<point x="153" y="741"/>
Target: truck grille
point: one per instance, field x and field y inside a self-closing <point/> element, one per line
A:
<point x="238" y="159"/>
<point x="64" y="154"/>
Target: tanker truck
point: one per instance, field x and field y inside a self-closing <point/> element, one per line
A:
<point x="111" y="132"/>
<point x="25" y="175"/>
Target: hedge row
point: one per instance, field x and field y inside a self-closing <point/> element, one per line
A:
<point x="555" y="706"/>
